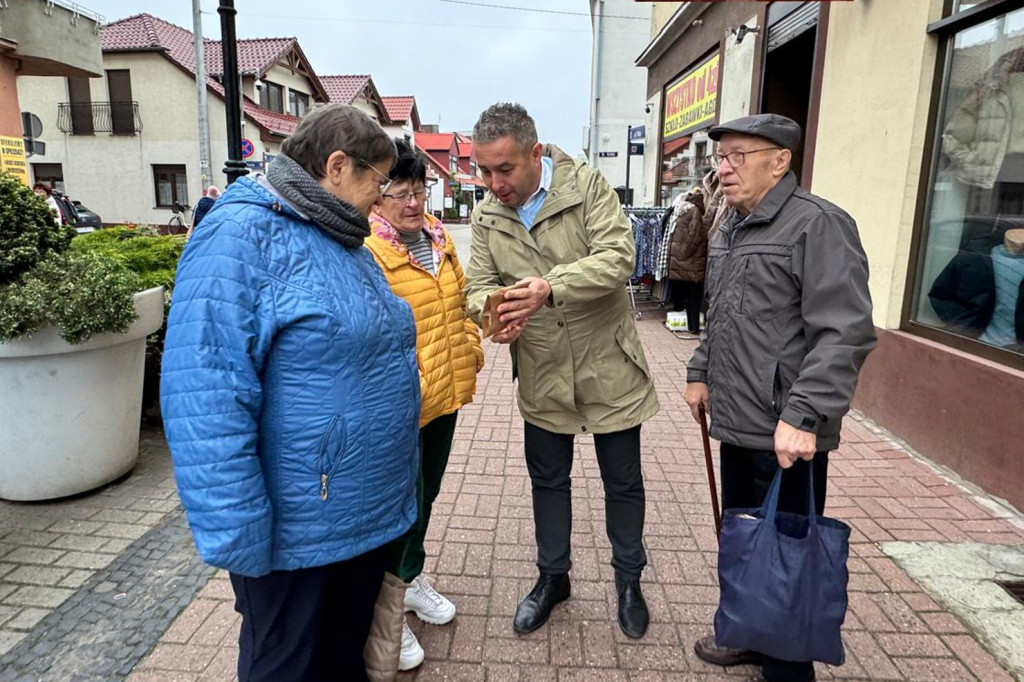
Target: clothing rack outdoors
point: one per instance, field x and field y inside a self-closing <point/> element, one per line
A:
<point x="648" y="225"/>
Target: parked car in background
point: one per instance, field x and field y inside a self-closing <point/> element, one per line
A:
<point x="86" y="218"/>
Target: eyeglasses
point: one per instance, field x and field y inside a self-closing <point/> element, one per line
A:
<point x="387" y="181"/>
<point x="404" y="197"/>
<point x="737" y="159"/>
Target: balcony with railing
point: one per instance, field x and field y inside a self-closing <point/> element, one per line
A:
<point x="89" y="118"/>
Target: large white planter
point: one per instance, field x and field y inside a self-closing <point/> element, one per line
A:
<point x="69" y="414"/>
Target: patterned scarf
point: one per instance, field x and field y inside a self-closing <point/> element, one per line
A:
<point x="340" y="220"/>
<point x="389" y="233"/>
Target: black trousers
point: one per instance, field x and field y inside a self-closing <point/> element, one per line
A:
<point x="746" y="476"/>
<point x="308" y="625"/>
<point x="549" y="461"/>
<point x="688" y="296"/>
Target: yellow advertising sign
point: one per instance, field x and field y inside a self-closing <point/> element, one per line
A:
<point x="691" y="102"/>
<point x="12" y="157"/>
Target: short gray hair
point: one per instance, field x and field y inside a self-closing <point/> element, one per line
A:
<point x="337" y="127"/>
<point x="506" y="119"/>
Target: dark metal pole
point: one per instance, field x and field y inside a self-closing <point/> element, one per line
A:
<point x="629" y="134"/>
<point x="234" y="168"/>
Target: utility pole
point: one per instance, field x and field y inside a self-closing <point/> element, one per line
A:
<point x="234" y="168"/>
<point x="205" y="162"/>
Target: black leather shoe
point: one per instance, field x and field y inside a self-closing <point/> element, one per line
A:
<point x="710" y="652"/>
<point x="535" y="610"/>
<point x="633" y="614"/>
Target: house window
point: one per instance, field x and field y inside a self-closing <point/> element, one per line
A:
<point x="969" y="277"/>
<point x="298" y="103"/>
<point x="272" y="97"/>
<point x="171" y="186"/>
<point x="50" y="174"/>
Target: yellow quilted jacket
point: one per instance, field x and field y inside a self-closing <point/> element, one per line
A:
<point x="447" y="341"/>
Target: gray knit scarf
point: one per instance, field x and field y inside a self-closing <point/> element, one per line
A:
<point x="340" y="220"/>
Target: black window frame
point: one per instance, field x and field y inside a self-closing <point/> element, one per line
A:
<point x="267" y="101"/>
<point x="172" y="169"/>
<point x="293" y="97"/>
<point x="945" y="30"/>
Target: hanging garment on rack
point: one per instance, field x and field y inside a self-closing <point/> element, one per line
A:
<point x="647" y="234"/>
<point x="668" y="226"/>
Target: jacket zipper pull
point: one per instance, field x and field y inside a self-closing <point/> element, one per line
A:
<point x="323" y="487"/>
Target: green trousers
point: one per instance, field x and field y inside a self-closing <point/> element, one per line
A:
<point x="407" y="552"/>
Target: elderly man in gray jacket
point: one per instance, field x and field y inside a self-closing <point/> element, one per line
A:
<point x="788" y="329"/>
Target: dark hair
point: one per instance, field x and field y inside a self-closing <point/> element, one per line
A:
<point x="409" y="165"/>
<point x="337" y="127"/>
<point x="42" y="186"/>
<point x="504" y="119"/>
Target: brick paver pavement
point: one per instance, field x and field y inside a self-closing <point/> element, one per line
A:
<point x="482" y="554"/>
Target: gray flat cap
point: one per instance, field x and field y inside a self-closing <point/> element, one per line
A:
<point x="783" y="131"/>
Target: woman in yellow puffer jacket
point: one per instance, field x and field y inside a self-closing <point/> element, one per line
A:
<point x="418" y="258"/>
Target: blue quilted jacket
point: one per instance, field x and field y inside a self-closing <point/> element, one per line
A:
<point x="290" y="391"/>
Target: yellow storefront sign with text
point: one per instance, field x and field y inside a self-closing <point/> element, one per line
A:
<point x="12" y="157"/>
<point x="691" y="102"/>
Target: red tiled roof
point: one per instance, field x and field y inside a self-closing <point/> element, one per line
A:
<point x="255" y="55"/>
<point x="675" y="145"/>
<point x="399" y="108"/>
<point x="441" y="169"/>
<point x="282" y="124"/>
<point x="465" y="149"/>
<point x="144" y="31"/>
<point x="344" y="89"/>
<point x="435" y="141"/>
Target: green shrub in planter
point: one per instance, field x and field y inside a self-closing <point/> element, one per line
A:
<point x="83" y="294"/>
<point x="152" y="257"/>
<point x="43" y="283"/>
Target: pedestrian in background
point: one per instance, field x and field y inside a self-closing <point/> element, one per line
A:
<point x="203" y="207"/>
<point x="688" y="256"/>
<point x="43" y="191"/>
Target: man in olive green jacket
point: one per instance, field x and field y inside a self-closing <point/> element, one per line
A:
<point x="551" y="232"/>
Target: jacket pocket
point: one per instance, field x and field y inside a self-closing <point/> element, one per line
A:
<point x="632" y="355"/>
<point x="765" y="283"/>
<point x="775" y="390"/>
<point x="332" y="446"/>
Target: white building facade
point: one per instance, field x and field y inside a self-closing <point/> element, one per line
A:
<point x="621" y="30"/>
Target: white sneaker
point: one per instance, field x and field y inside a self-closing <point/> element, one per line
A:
<point x="430" y="606"/>
<point x="412" y="652"/>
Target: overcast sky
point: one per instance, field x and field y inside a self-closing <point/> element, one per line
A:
<point x="455" y="58"/>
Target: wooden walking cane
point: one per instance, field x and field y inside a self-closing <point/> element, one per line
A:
<point x="711" y="468"/>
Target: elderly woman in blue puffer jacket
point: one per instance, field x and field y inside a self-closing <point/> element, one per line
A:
<point x="290" y="397"/>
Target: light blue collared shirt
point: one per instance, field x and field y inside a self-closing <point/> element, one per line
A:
<point x="529" y="210"/>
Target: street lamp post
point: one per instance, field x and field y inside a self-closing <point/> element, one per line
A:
<point x="629" y="141"/>
<point x="234" y="168"/>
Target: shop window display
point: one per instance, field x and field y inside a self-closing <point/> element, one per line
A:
<point x="971" y="282"/>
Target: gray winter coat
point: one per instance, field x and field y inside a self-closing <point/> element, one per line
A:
<point x="789" y="324"/>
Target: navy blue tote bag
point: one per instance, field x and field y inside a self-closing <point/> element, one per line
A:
<point x="783" y="578"/>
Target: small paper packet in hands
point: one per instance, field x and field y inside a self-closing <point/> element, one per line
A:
<point x="491" y="320"/>
<point x="492" y="323"/>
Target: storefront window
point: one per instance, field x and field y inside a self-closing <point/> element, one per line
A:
<point x="971" y="280"/>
